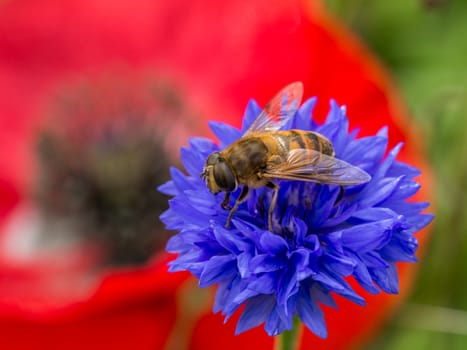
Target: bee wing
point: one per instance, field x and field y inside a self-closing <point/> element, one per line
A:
<point x="311" y="165"/>
<point x="279" y="110"/>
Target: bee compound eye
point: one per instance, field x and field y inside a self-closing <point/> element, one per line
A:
<point x="225" y="179"/>
<point x="213" y="159"/>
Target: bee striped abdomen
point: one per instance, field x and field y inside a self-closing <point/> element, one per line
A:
<point x="299" y="139"/>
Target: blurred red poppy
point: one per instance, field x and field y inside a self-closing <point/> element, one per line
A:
<point x="217" y="55"/>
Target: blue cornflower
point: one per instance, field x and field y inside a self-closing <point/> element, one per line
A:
<point x="322" y="234"/>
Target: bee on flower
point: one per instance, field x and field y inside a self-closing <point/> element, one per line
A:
<point x="286" y="251"/>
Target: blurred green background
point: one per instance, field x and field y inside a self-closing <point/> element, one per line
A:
<point x="423" y="43"/>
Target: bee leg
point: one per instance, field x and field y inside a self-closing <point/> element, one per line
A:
<point x="275" y="187"/>
<point x="225" y="203"/>
<point x="239" y="200"/>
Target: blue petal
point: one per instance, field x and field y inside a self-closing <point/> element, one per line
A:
<point x="211" y="247"/>
<point x="311" y="315"/>
<point x="318" y="295"/>
<point x="374" y="214"/>
<point x="245" y="295"/>
<point x="333" y="239"/>
<point x="363" y="277"/>
<point x="226" y="239"/>
<point x="401" y="248"/>
<point x="386" y="279"/>
<point x="171" y="220"/>
<point x="248" y="230"/>
<point x="388" y="162"/>
<point x="344" y="211"/>
<point x="274" y="324"/>
<point x="367" y="237"/>
<point x="181" y="181"/>
<point x="187" y="213"/>
<point x="264" y="284"/>
<point x="312" y="243"/>
<point x="301" y="260"/>
<point x="272" y="243"/>
<point x="324" y="202"/>
<point x="192" y="161"/>
<point x="218" y="268"/>
<point x="366" y="150"/>
<point x="168" y="188"/>
<point x="373" y="260"/>
<point x="266" y="263"/>
<point x="202" y="201"/>
<point x="339" y="264"/>
<point x="338" y="285"/>
<point x="336" y="128"/>
<point x="251" y="113"/>
<point x="202" y="145"/>
<point x="236" y="285"/>
<point x="192" y="260"/>
<point x="377" y="192"/>
<point x="409" y="209"/>
<point x="288" y="311"/>
<point x="221" y="296"/>
<point x="335" y="114"/>
<point x="420" y="221"/>
<point x="303" y="117"/>
<point x="256" y="311"/>
<point x="225" y="133"/>
<point x="288" y="284"/>
<point x="243" y="264"/>
<point x="398" y="168"/>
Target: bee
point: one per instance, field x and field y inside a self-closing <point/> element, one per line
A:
<point x="265" y="154"/>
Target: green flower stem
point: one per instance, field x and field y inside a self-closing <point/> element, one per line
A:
<point x="290" y="340"/>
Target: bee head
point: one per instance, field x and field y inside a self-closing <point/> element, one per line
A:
<point x="218" y="175"/>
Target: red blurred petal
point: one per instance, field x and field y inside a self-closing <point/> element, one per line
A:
<point x="130" y="309"/>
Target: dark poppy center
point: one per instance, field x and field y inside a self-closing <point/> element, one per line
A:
<point x="100" y="160"/>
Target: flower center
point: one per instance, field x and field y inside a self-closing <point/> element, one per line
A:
<point x="100" y="160"/>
